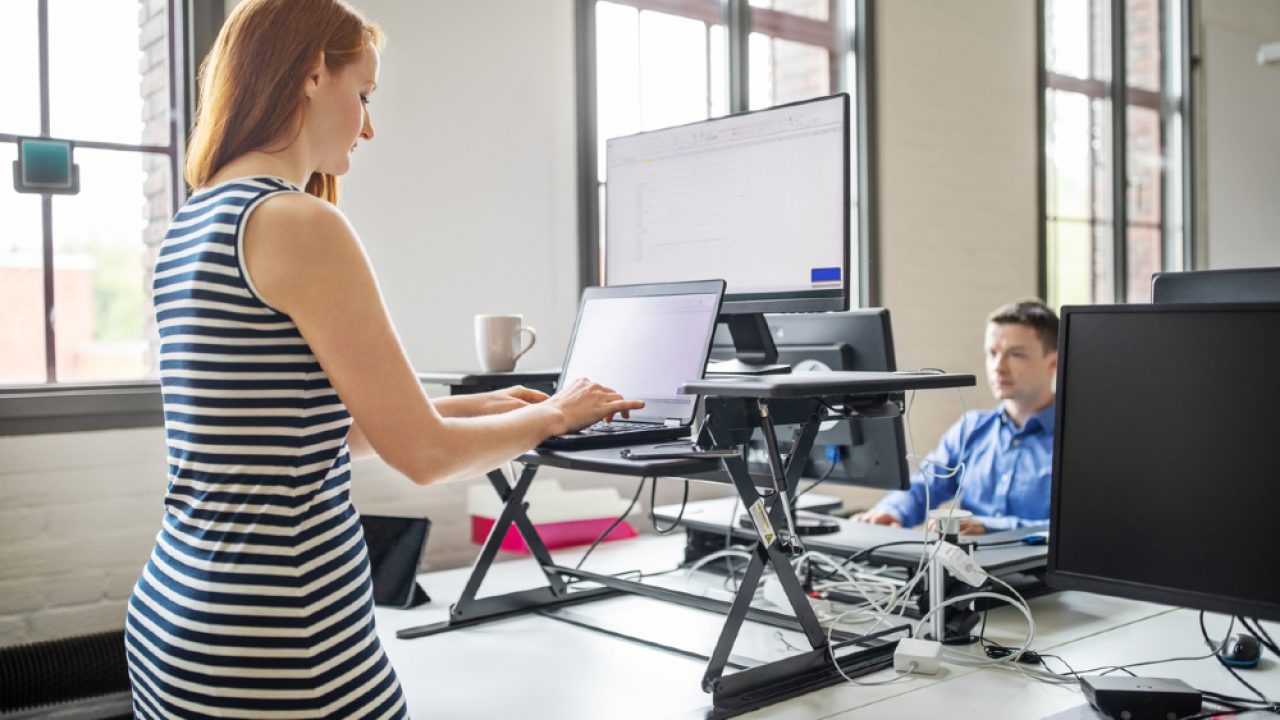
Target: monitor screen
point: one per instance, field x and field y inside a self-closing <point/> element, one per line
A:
<point x="870" y="452"/>
<point x="645" y="342"/>
<point x="1164" y="478"/>
<point x="760" y="199"/>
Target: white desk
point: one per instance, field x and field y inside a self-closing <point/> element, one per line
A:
<point x="537" y="667"/>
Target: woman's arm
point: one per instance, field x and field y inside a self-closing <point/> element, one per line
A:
<point x="489" y="403"/>
<point x="306" y="261"/>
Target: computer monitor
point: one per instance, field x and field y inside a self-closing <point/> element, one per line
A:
<point x="863" y="451"/>
<point x="1164" y="481"/>
<point x="1214" y="286"/>
<point x="760" y="199"/>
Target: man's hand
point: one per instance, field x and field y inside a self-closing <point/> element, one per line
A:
<point x="876" y="516"/>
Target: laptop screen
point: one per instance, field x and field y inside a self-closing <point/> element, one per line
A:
<point x="644" y="346"/>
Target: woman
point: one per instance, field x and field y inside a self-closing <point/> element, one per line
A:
<point x="278" y="365"/>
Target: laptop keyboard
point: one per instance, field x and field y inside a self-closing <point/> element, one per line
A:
<point x="603" y="427"/>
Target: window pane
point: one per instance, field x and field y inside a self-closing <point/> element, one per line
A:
<point x="1067" y="24"/>
<point x="1104" y="263"/>
<point x="104" y="241"/>
<point x="760" y="73"/>
<point x="617" y="75"/>
<point x="1078" y="197"/>
<point x="783" y="71"/>
<point x="1145" y="166"/>
<point x="816" y="9"/>
<point x="1144" y="248"/>
<point x="1069" y="155"/>
<point x="21" y="282"/>
<point x="1070" y="257"/>
<point x="108" y="78"/>
<point x="20" y="56"/>
<point x="1142" y="42"/>
<point x="718" y="52"/>
<point x="673" y="70"/>
<point x="1144" y="260"/>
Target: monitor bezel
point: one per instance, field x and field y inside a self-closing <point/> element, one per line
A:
<point x="781" y="302"/>
<point x="1216" y="286"/>
<point x="1064" y="579"/>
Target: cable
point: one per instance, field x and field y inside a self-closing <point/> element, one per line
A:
<point x="605" y="534"/>
<point x="1228" y="668"/>
<point x="830" y="469"/>
<point x="1255" y="628"/>
<point x="653" y="519"/>
<point x="976" y="662"/>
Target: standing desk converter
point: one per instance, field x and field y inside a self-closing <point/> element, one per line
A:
<point x="733" y="409"/>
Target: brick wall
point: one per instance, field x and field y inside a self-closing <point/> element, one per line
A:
<point x="157" y="112"/>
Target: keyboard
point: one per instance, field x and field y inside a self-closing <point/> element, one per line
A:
<point x="615" y="426"/>
<point x="615" y="434"/>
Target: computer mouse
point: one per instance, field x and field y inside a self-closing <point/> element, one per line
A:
<point x="1241" y="650"/>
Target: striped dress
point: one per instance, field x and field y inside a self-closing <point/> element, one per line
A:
<point x="257" y="600"/>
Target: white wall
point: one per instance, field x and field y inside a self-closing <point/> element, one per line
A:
<point x="958" y="183"/>
<point x="1238" y="117"/>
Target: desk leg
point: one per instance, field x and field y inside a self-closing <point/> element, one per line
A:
<point x="772" y="555"/>
<point x="472" y="610"/>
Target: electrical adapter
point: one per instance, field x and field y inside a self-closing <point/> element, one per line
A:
<point x="961" y="564"/>
<point x="914" y="655"/>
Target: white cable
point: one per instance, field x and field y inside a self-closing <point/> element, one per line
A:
<point x="712" y="557"/>
<point x="980" y="662"/>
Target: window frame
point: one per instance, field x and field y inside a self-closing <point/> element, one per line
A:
<point x="54" y="407"/>
<point x="1122" y="97"/>
<point x="737" y="16"/>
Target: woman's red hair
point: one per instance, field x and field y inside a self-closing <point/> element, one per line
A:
<point x="251" y="84"/>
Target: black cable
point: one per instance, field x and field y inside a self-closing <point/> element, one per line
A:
<point x="1259" y="632"/>
<point x="653" y="519"/>
<point x="1263" y="631"/>
<point x="866" y="555"/>
<point x="605" y="534"/>
<point x="1228" y="668"/>
<point x="830" y="469"/>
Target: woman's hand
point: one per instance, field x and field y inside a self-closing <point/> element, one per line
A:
<point x="583" y="402"/>
<point x="507" y="399"/>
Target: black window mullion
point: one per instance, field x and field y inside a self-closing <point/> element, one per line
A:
<point x="1119" y="153"/>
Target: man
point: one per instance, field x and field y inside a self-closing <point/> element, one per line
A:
<point x="1008" y="451"/>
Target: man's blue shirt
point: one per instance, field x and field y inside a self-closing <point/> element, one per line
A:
<point x="1006" y="476"/>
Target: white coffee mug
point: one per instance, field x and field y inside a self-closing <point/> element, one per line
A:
<point x="498" y="341"/>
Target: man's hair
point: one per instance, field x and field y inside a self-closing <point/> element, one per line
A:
<point x="1033" y="313"/>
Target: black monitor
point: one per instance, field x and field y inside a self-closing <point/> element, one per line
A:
<point x="863" y="451"/>
<point x="1215" y="286"/>
<point x="760" y="199"/>
<point x="1164" y="468"/>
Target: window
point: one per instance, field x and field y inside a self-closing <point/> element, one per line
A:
<point x="1114" y="183"/>
<point x="75" y="269"/>
<point x="648" y="64"/>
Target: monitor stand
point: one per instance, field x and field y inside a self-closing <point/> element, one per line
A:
<point x="754" y="347"/>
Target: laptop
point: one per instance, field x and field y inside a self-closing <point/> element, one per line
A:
<point x="643" y="341"/>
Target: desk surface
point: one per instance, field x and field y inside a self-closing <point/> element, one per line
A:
<point x="536" y="667"/>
